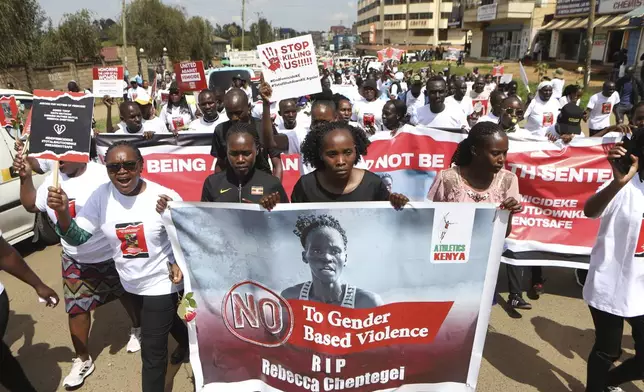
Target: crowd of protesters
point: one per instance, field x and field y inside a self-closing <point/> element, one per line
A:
<point x="103" y="212"/>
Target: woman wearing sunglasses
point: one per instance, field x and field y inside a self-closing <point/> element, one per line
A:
<point x="126" y="210"/>
<point x="511" y="113"/>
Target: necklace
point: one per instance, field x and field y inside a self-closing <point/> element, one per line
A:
<point x="477" y="197"/>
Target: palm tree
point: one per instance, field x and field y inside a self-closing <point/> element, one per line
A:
<point x="232" y="31"/>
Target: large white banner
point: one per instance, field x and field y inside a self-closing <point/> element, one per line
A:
<point x="337" y="296"/>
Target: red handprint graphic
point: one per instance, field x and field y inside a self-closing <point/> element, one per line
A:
<point x="273" y="61"/>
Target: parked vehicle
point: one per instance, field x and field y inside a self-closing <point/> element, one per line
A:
<point x="16" y="223"/>
<point x="223" y="77"/>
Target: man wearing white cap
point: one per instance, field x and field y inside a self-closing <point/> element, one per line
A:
<point x="542" y="112"/>
<point x="135" y="90"/>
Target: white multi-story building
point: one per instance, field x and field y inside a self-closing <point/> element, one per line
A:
<point x="412" y="23"/>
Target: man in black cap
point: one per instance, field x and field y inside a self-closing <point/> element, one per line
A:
<point x="568" y="124"/>
<point x="240" y="82"/>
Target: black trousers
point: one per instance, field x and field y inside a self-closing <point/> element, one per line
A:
<point x="608" y="348"/>
<point x="158" y="319"/>
<point x="515" y="277"/>
<point x="11" y="375"/>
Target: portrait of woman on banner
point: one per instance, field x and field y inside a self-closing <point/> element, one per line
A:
<point x="325" y="251"/>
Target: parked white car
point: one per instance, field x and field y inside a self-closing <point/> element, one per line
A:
<point x="16" y="223"/>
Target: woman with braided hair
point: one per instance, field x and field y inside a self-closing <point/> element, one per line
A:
<point x="334" y="149"/>
<point x="325" y="251"/>
<point x="478" y="175"/>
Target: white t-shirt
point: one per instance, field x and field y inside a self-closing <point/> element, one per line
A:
<point x="600" y="109"/>
<point x="258" y="110"/>
<point x="563" y="101"/>
<point x="557" y="87"/>
<point x="46" y="165"/>
<point x="364" y="108"/>
<point x="132" y="93"/>
<point x="200" y="125"/>
<point x="302" y="120"/>
<point x="465" y="104"/>
<point x="615" y="282"/>
<point x="135" y="231"/>
<point x="521" y="134"/>
<point x="451" y="117"/>
<point x="490" y="117"/>
<point x="155" y="125"/>
<point x="394" y="88"/>
<point x="176" y="118"/>
<point x="414" y="103"/>
<point x="79" y="189"/>
<point x="295" y="138"/>
<point x="541" y="115"/>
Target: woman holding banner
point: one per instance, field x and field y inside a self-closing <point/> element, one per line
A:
<point x="247" y="173"/>
<point x="334" y="149"/>
<point x="613" y="289"/>
<point x="127" y="212"/>
<point x="478" y="175"/>
<point x="89" y="274"/>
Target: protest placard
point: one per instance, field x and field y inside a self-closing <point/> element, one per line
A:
<point x="61" y="125"/>
<point x="9" y="110"/>
<point x="108" y="81"/>
<point x="191" y="76"/>
<point x="290" y="67"/>
<point x="357" y="315"/>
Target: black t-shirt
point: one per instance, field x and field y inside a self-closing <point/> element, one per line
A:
<point x="309" y="190"/>
<point x="224" y="187"/>
<point x="218" y="149"/>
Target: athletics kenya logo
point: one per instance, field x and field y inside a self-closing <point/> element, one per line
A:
<point x="256" y="314"/>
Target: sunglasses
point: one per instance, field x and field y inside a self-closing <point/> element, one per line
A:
<point x="116" y="167"/>
<point x="517" y="112"/>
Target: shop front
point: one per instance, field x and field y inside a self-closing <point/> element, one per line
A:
<point x="504" y="41"/>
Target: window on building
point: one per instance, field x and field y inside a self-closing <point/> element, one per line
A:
<point x="420" y="1"/>
<point x="389" y="17"/>
<point x="414" y="16"/>
<point x="400" y="2"/>
<point x="423" y="32"/>
<point x="400" y="16"/>
<point x="426" y="15"/>
<point x="389" y="2"/>
<point x="445" y="15"/>
<point x="486" y="2"/>
<point x="442" y="35"/>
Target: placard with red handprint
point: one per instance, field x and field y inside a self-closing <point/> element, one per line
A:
<point x="290" y="67"/>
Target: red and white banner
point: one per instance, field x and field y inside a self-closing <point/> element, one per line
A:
<point x="9" y="111"/>
<point x="108" y="81"/>
<point x="554" y="181"/>
<point x="191" y="76"/>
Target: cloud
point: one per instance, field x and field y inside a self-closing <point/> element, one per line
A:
<point x="350" y="4"/>
<point x="340" y="17"/>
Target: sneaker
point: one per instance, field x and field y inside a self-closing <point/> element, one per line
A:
<point x="536" y="291"/>
<point x="517" y="302"/>
<point x="134" y="344"/>
<point x="614" y="389"/>
<point x="580" y="276"/>
<point x="80" y="370"/>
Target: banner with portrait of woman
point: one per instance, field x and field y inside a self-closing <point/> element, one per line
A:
<point x="341" y="296"/>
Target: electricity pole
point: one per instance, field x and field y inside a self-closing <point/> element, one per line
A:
<point x="259" y="29"/>
<point x="124" y="23"/>
<point x="243" y="22"/>
<point x="589" y="51"/>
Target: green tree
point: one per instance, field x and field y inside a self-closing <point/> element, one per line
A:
<point x="261" y="32"/>
<point x="201" y="32"/>
<point x="80" y="38"/>
<point x="21" y="29"/>
<point x="152" y="25"/>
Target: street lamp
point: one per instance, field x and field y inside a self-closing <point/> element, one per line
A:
<point x="141" y="51"/>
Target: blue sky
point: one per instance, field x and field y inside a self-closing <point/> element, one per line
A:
<point x="301" y="15"/>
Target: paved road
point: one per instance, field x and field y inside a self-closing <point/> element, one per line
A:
<point x="545" y="350"/>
